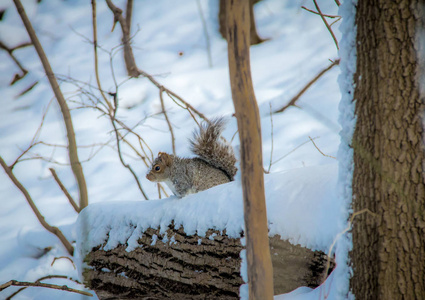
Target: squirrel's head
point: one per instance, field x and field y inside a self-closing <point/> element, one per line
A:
<point x="160" y="168"/>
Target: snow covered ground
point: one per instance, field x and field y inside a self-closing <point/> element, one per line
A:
<point x="169" y="43"/>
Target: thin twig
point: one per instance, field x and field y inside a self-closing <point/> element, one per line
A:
<point x="117" y="135"/>
<point x="204" y="27"/>
<point x="56" y="231"/>
<point x="130" y="62"/>
<point x="62" y="257"/>
<point x="316" y="13"/>
<point x="337" y="2"/>
<point x="72" y="149"/>
<point x="33" y="142"/>
<point x="330" y="156"/>
<point x="188" y="107"/>
<point x="10" y="52"/>
<point x="293" y="150"/>
<point x="168" y="121"/>
<point x="96" y="64"/>
<point x="326" y="23"/>
<point x="335" y="21"/>
<point x="159" y="191"/>
<point x="271" y="133"/>
<point x="233" y="136"/>
<point x="338" y="236"/>
<point x="64" y="190"/>
<point x="113" y="109"/>
<point x="307" y="86"/>
<point x="43" y="278"/>
<point x="18" y="159"/>
<point x="45" y="285"/>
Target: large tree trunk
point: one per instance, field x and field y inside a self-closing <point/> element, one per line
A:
<point x="173" y="265"/>
<point x="388" y="253"/>
<point x="260" y="271"/>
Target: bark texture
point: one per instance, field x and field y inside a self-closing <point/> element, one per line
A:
<point x="388" y="254"/>
<point x="260" y="271"/>
<point x="192" y="267"/>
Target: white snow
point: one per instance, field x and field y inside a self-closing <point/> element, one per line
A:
<point x="303" y="202"/>
<point x="347" y="121"/>
<point x="302" y="206"/>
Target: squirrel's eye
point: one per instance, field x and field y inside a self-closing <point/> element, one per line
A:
<point x="157" y="168"/>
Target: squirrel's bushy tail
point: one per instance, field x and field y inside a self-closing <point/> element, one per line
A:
<point x="207" y="146"/>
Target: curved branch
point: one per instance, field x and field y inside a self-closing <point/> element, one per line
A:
<point x="307" y="86"/>
<point x="56" y="231"/>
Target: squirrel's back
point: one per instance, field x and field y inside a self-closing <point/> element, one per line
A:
<point x="207" y="146"/>
<point x="214" y="164"/>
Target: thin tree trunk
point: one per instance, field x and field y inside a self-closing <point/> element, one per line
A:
<point x="388" y="253"/>
<point x="260" y="273"/>
<point x="255" y="38"/>
<point x="72" y="144"/>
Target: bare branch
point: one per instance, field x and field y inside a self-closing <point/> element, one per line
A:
<point x="204" y="27"/>
<point x="335" y="21"/>
<point x="338" y="236"/>
<point x="326" y="23"/>
<point x="10" y="52"/>
<point x="189" y="107"/>
<point x="64" y="190"/>
<point x="19" y="158"/>
<point x="293" y="150"/>
<point x="72" y="150"/>
<point x="96" y="64"/>
<point x="117" y="135"/>
<point x="33" y="142"/>
<point x="168" y="121"/>
<point x="271" y="133"/>
<point x="316" y="13"/>
<point x="330" y="156"/>
<point x="112" y="110"/>
<point x="46" y="285"/>
<point x="63" y="257"/>
<point x="128" y="14"/>
<point x="337" y="2"/>
<point x="130" y="62"/>
<point x="307" y="86"/>
<point x="40" y="218"/>
<point x="40" y="279"/>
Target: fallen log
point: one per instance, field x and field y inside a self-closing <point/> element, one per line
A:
<point x="174" y="265"/>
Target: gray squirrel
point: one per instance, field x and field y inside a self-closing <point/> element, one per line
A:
<point x="214" y="163"/>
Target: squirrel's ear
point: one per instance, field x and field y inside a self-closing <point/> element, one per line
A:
<point x="165" y="158"/>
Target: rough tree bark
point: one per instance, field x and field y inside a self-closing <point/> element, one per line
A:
<point x="173" y="265"/>
<point x="260" y="272"/>
<point x="388" y="255"/>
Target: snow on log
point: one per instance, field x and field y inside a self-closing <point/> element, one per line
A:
<point x="192" y="248"/>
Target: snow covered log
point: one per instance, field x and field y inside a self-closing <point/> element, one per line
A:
<point x="192" y="248"/>
<point x="193" y="267"/>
